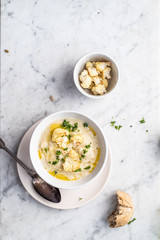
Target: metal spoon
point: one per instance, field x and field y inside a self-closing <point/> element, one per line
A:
<point x="44" y="189"/>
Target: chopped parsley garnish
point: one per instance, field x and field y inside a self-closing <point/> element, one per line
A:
<point x="80" y="198"/>
<point x="112" y="123"/>
<point x="57" y="157"/>
<point x="146" y="130"/>
<point x="49" y="162"/>
<point x="86" y="168"/>
<point x="58" y="152"/>
<point x="65" y="149"/>
<point x="142" y="121"/>
<point x="85" y="124"/>
<point x="69" y="127"/>
<point x="66" y="125"/>
<point x="65" y="156"/>
<point x="132" y="220"/>
<point x="88" y="146"/>
<point x="78" y="170"/>
<point x="55" y="172"/>
<point x="85" y="151"/>
<point x="74" y="128"/>
<point x="82" y="156"/>
<point x="69" y="136"/>
<point x="55" y="162"/>
<point x="63" y="160"/>
<point x="78" y="130"/>
<point x="118" y="127"/>
<point x="46" y="150"/>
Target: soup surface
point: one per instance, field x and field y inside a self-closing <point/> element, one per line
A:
<point x="69" y="149"/>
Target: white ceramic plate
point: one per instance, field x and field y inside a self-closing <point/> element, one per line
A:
<point x="70" y="198"/>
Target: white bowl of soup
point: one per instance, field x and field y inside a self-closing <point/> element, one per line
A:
<point x="68" y="149"/>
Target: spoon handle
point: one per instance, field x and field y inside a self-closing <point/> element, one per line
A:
<point x="3" y="146"/>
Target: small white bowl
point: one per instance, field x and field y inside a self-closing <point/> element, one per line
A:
<point x="34" y="144"/>
<point x="94" y="57"/>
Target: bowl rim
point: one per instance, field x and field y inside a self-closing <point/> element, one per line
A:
<point x="61" y="186"/>
<point x="76" y="80"/>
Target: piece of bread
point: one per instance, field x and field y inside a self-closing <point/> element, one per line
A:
<point x="124" y="210"/>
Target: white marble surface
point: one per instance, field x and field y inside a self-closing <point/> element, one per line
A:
<point x="45" y="39"/>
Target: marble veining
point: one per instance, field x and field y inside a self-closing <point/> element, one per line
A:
<point x="44" y="40"/>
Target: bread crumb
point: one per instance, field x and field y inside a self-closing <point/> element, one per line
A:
<point x="51" y="98"/>
<point x="6" y="50"/>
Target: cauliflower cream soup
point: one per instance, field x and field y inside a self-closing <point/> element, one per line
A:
<point x="69" y="149"/>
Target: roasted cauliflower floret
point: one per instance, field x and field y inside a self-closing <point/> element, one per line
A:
<point x="99" y="89"/>
<point x="106" y="73"/>
<point x="71" y="165"/>
<point x="105" y="83"/>
<point x="92" y="85"/>
<point x="58" y="132"/>
<point x="77" y="139"/>
<point x="73" y="154"/>
<point x="67" y="165"/>
<point x="89" y="65"/>
<point x="85" y="79"/>
<point x="60" y="136"/>
<point x="96" y="80"/>
<point x="100" y="66"/>
<point x="83" y="75"/>
<point x="92" y="71"/>
<point x="87" y="82"/>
